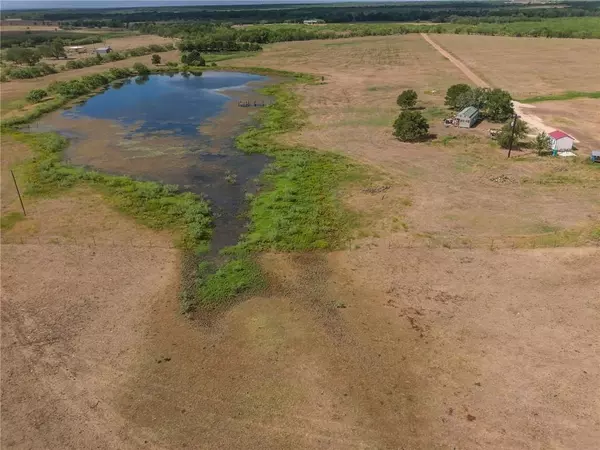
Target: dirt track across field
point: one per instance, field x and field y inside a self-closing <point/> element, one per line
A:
<point x="524" y="111"/>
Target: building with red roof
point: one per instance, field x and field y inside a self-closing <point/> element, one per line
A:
<point x="561" y="141"/>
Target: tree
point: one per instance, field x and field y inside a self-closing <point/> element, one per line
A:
<point x="155" y="59"/>
<point x="407" y="99"/>
<point x="453" y="94"/>
<point x="23" y="55"/>
<point x="57" y="49"/>
<point x="542" y="143"/>
<point x="497" y="105"/>
<point x="504" y="136"/>
<point x="141" y="69"/>
<point x="411" y="126"/>
<point x="193" y="58"/>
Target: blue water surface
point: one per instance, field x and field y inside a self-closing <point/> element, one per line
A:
<point x="172" y="102"/>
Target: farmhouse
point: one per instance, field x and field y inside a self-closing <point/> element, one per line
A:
<point x="313" y="22"/>
<point x="561" y="141"/>
<point x="103" y="50"/>
<point x="467" y="117"/>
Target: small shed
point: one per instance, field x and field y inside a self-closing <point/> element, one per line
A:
<point x="561" y="141"/>
<point x="103" y="50"/>
<point x="468" y="117"/>
<point x="76" y="48"/>
<point x="595" y="156"/>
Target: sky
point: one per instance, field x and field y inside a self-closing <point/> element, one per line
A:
<point x="46" y="4"/>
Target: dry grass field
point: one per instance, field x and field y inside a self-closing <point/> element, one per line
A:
<point x="529" y="66"/>
<point x="429" y="332"/>
<point x="450" y="183"/>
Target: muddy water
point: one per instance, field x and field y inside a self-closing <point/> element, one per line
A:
<point x="174" y="129"/>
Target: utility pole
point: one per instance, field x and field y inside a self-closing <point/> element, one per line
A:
<point x="512" y="134"/>
<point x="18" y="192"/>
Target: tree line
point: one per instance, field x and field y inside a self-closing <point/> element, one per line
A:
<point x="31" y="67"/>
<point x="584" y="27"/>
<point x="345" y="13"/>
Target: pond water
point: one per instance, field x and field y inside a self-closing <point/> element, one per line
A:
<point x="174" y="129"/>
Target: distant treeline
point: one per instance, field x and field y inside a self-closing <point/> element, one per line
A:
<point x="583" y="27"/>
<point x="34" y="38"/>
<point x="445" y="12"/>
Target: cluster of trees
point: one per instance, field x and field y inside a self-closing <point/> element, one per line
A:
<point x="493" y="104"/>
<point x="38" y="70"/>
<point x="193" y="58"/>
<point x="28" y="39"/>
<point x="31" y="56"/>
<point x="34" y="69"/>
<point x="341" y="13"/>
<point x="89" y="83"/>
<point x="410" y="126"/>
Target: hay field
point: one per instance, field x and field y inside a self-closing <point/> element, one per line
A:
<point x="529" y="66"/>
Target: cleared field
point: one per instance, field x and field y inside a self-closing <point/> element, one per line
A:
<point x="129" y="42"/>
<point x="529" y="66"/>
<point x="451" y="183"/>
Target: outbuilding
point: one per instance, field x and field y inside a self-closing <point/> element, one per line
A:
<point x="103" y="50"/>
<point x="468" y="117"/>
<point x="595" y="156"/>
<point x="561" y="141"/>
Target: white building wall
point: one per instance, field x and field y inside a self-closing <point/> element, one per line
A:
<point x="564" y="143"/>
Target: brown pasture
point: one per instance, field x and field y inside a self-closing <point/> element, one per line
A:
<point x="528" y="66"/>
<point x="425" y="333"/>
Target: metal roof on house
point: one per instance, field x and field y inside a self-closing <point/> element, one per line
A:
<point x="557" y="134"/>
<point x="468" y="112"/>
<point x="596" y="153"/>
<point x="103" y="49"/>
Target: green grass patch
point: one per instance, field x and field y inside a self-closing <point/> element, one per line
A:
<point x="435" y="113"/>
<point x="9" y="220"/>
<point x="300" y="208"/>
<point x="237" y="276"/>
<point x="569" y="95"/>
<point x="216" y="57"/>
<point x="155" y="205"/>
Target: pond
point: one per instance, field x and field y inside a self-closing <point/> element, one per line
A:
<point x="175" y="129"/>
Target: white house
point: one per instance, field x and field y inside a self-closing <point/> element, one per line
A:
<point x="561" y="141"/>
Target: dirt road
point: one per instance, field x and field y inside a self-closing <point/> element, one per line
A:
<point x="523" y="110"/>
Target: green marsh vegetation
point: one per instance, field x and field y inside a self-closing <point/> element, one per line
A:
<point x="297" y="209"/>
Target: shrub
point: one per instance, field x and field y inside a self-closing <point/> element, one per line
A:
<point x="407" y="99"/>
<point x="193" y="58"/>
<point x="542" y="143"/>
<point x="411" y="126"/>
<point x="504" y="137"/>
<point x="156" y="59"/>
<point x="36" y="95"/>
<point x="141" y="68"/>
